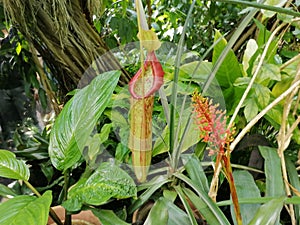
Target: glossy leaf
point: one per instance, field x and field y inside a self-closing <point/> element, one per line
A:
<point x="25" y="210"/>
<point x="6" y="191"/>
<point x="108" y="217"/>
<point x="75" y="123"/>
<point x="230" y="68"/>
<point x="195" y="171"/>
<point x="245" y="188"/>
<point x="263" y="95"/>
<point x="158" y="214"/>
<point x="294" y="180"/>
<point x="203" y="202"/>
<point x="274" y="182"/>
<point x="11" y="167"/>
<point x="108" y="181"/>
<point x="268" y="213"/>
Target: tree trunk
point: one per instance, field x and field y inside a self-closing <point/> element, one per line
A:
<point x="63" y="34"/>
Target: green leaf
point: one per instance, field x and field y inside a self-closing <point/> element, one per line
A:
<point x="158" y="214"/>
<point x="203" y="202"/>
<point x="196" y="73"/>
<point x="230" y="69"/>
<point x="277" y="3"/>
<point x="108" y="181"/>
<point x="75" y="123"/>
<point x="268" y="213"/>
<point x="195" y="171"/>
<point x="274" y="182"/>
<point x="151" y="186"/>
<point x="245" y="188"/>
<point x="250" y="50"/>
<point x="18" y="48"/>
<point x="211" y="215"/>
<point x="263" y="95"/>
<point x="25" y="210"/>
<point x="6" y="191"/>
<point x="251" y="109"/>
<point x="294" y="180"/>
<point x="12" y="168"/>
<point x="108" y="217"/>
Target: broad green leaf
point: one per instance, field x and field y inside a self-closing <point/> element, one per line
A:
<point x="6" y="191"/>
<point x="230" y="69"/>
<point x="268" y="72"/>
<point x="25" y="210"/>
<point x="263" y="95"/>
<point x="108" y="217"/>
<point x="268" y="213"/>
<point x="195" y="171"/>
<point x="251" y="109"/>
<point x="242" y="81"/>
<point x="158" y="214"/>
<point x="274" y="181"/>
<point x="108" y="181"/>
<point x="166" y="212"/>
<point x="281" y="87"/>
<point x="200" y="74"/>
<point x="12" y="168"/>
<point x="94" y="144"/>
<point x="75" y="123"/>
<point x="245" y="188"/>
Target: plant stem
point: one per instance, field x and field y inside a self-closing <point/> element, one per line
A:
<point x="257" y="70"/>
<point x="68" y="218"/>
<point x="228" y="172"/>
<point x="52" y="214"/>
<point x="262" y="113"/>
<point x="262" y="6"/>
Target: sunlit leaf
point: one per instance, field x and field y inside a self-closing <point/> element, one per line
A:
<point x="12" y="168"/>
<point x="158" y="214"/>
<point x="75" y="123"/>
<point x="230" y="68"/>
<point x="25" y="210"/>
<point x="251" y="109"/>
<point x="268" y="213"/>
<point x="278" y="3"/>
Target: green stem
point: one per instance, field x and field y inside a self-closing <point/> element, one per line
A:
<point x="262" y="6"/>
<point x="173" y="142"/>
<point x="68" y="218"/>
<point x="52" y="214"/>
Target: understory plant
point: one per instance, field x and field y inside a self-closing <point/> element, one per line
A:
<point x="158" y="152"/>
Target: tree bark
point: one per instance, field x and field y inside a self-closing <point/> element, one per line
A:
<point x="63" y="34"/>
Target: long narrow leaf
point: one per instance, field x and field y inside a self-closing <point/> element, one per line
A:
<point x="108" y="217"/>
<point x="246" y="188"/>
<point x="186" y="205"/>
<point x="274" y="181"/>
<point x="207" y="201"/>
<point x="195" y="171"/>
